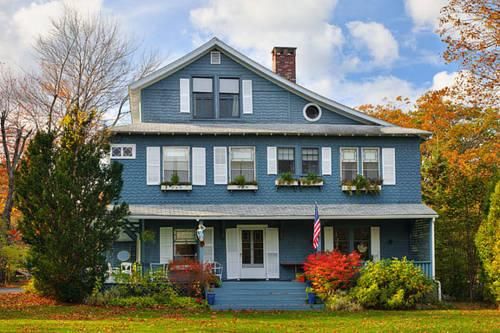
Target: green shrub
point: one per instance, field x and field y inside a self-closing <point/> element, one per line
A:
<point x="286" y="178"/>
<point x="391" y="284"/>
<point x="12" y="259"/>
<point x="342" y="301"/>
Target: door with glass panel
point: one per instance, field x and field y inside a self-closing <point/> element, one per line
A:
<point x="252" y="253"/>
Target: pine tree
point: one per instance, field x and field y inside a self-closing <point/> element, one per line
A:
<point x="63" y="194"/>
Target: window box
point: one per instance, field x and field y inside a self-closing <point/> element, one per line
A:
<point x="186" y="187"/>
<point x="305" y="183"/>
<point x="279" y="182"/>
<point x="352" y="188"/>
<point x="242" y="187"/>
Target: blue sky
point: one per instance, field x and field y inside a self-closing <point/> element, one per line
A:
<point x="354" y="51"/>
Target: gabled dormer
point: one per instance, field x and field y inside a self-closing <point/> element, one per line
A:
<point x="216" y="83"/>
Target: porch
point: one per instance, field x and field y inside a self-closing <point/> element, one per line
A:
<point x="263" y="243"/>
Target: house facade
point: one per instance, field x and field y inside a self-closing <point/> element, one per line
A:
<point x="218" y="139"/>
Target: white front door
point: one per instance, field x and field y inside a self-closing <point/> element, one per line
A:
<point x="252" y="242"/>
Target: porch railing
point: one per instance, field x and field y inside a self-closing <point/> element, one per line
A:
<point x="425" y="266"/>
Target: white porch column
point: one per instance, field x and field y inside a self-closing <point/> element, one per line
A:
<point x="433" y="256"/>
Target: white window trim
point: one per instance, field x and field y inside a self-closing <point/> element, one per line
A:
<point x="121" y="146"/>
<point x="163" y="164"/>
<point x="360" y="160"/>
<point x="254" y="161"/>
<point x="305" y="114"/>
<point x="340" y="160"/>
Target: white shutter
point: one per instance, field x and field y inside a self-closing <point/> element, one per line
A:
<point x="166" y="245"/>
<point x="184" y="95"/>
<point x="328" y="235"/>
<point x="326" y="161"/>
<point x="153" y="166"/>
<point x="389" y="166"/>
<point x="208" y="249"/>
<point x="199" y="167"/>
<point x="247" y="97"/>
<point x="220" y="165"/>
<point x="375" y="243"/>
<point x="272" y="260"/>
<point x="272" y="167"/>
<point x="232" y="254"/>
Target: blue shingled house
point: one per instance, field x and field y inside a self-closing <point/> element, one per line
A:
<point x="218" y="138"/>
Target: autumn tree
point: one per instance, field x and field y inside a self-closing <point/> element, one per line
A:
<point x="87" y="62"/>
<point x="15" y="129"/>
<point x="470" y="28"/>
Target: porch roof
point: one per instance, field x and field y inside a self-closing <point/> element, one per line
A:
<point x="267" y="129"/>
<point x="279" y="212"/>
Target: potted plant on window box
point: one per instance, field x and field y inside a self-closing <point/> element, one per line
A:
<point x="241" y="184"/>
<point x="361" y="184"/>
<point x="286" y="179"/>
<point x="311" y="180"/>
<point x="175" y="185"/>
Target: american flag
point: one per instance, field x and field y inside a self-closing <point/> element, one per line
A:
<point x="317" y="228"/>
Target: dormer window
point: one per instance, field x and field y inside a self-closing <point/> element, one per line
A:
<point x="229" y="98"/>
<point x="203" y="98"/>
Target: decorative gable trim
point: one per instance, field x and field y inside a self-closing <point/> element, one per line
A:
<point x="253" y="66"/>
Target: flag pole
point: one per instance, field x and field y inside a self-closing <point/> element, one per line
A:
<point x="318" y="249"/>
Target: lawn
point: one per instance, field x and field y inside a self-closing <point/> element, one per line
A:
<point x="22" y="313"/>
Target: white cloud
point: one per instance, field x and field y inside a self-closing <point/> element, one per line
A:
<point x="23" y="22"/>
<point x="376" y="90"/>
<point x="257" y="26"/>
<point x="443" y="79"/>
<point x="424" y="13"/>
<point x="377" y="39"/>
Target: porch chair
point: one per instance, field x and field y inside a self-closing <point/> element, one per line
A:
<point x="126" y="267"/>
<point x="217" y="269"/>
<point x="158" y="267"/>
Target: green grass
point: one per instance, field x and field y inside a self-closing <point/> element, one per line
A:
<point x="67" y="318"/>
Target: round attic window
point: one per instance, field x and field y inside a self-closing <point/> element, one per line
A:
<point x="312" y="112"/>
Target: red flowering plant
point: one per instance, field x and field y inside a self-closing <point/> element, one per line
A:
<point x="190" y="277"/>
<point x="331" y="271"/>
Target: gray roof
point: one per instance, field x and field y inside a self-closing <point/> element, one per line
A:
<point x="277" y="212"/>
<point x="267" y="129"/>
<point x="135" y="87"/>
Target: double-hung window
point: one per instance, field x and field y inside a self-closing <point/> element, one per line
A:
<point x="349" y="163"/>
<point x="286" y="160"/>
<point x="242" y="163"/>
<point x="203" y="98"/>
<point x="176" y="164"/>
<point x="371" y="163"/>
<point x="310" y="161"/>
<point x="348" y="239"/>
<point x="229" y="98"/>
<point x="185" y="244"/>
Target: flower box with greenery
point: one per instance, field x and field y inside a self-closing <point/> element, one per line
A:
<point x="241" y="184"/>
<point x="361" y="185"/>
<point x="286" y="179"/>
<point x="311" y="180"/>
<point x="175" y="185"/>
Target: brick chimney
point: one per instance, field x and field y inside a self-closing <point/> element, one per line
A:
<point x="284" y="62"/>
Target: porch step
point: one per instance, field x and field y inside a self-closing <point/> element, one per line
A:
<point x="262" y="295"/>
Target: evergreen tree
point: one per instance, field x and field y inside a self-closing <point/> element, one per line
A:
<point x="64" y="193"/>
<point x="488" y="245"/>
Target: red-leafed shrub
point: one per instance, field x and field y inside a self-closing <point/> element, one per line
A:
<point x="190" y="277"/>
<point x="331" y="271"/>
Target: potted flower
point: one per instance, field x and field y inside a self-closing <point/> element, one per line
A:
<point x="240" y="183"/>
<point x="176" y="185"/>
<point x="286" y="179"/>
<point x="311" y="296"/>
<point x="311" y="179"/>
<point x="211" y="296"/>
